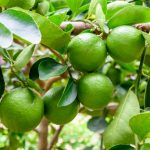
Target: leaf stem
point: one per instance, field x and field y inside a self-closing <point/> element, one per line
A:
<point x="137" y="81"/>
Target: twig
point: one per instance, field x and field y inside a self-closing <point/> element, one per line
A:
<point x="43" y="134"/>
<point x="55" y="137"/>
<point x="80" y="26"/>
<point x="58" y="55"/>
<point x="137" y="81"/>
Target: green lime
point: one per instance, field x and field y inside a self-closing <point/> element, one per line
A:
<point x="87" y="52"/>
<point x="125" y="43"/>
<point x="95" y="90"/>
<point x="21" y="110"/>
<point x="25" y="4"/>
<point x="114" y="7"/>
<point x="114" y="75"/>
<point x="55" y="114"/>
<point x="43" y="8"/>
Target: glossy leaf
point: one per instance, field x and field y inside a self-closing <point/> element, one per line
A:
<point x="50" y="68"/>
<point x="119" y="131"/>
<point x="140" y="124"/>
<point x="52" y="35"/>
<point x="21" y="24"/>
<point x="122" y="147"/>
<point x="6" y="37"/>
<point x="74" y="5"/>
<point x="100" y="16"/>
<point x="69" y="94"/>
<point x="147" y="95"/>
<point x="2" y="83"/>
<point x="130" y="15"/>
<point x="24" y="57"/>
<point x="97" y="124"/>
<point x="45" y="68"/>
<point x="145" y="146"/>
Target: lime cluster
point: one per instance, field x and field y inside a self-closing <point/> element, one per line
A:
<point x="87" y="53"/>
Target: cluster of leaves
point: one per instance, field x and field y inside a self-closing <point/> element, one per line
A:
<point x="22" y="31"/>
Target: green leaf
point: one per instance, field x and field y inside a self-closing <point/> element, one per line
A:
<point x="100" y="16"/>
<point x="147" y="37"/>
<point x="57" y="18"/>
<point x="2" y="83"/>
<point x="52" y="35"/>
<point x="145" y="146"/>
<point x="21" y="24"/>
<point x="74" y="5"/>
<point x="24" y="57"/>
<point x="6" y="37"/>
<point x="119" y="131"/>
<point x="140" y="124"/>
<point x="45" y="68"/>
<point x="50" y="68"/>
<point x="97" y="124"/>
<point x="122" y="147"/>
<point x="147" y="95"/>
<point x="69" y="94"/>
<point x="130" y="15"/>
<point x="93" y="5"/>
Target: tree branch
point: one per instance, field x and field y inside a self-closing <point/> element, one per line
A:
<point x="55" y="137"/>
<point x="80" y="26"/>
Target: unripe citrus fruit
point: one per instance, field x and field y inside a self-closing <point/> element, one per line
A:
<point x="87" y="52"/>
<point x="114" y="7"/>
<point x="114" y="75"/>
<point x="125" y="43"/>
<point x="43" y="7"/>
<point x="25" y="4"/>
<point x="55" y="114"/>
<point x="95" y="90"/>
<point x="21" y="110"/>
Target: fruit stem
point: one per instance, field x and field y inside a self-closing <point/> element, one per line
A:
<point x="137" y="81"/>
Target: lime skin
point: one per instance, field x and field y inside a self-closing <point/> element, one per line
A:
<point x="55" y="114"/>
<point x="87" y="52"/>
<point x="21" y="110"/>
<point x="95" y="90"/>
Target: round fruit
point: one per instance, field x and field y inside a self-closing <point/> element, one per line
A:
<point x="125" y="43"/>
<point x="21" y="110"/>
<point x="43" y="8"/>
<point x="25" y="4"/>
<point x="114" y="75"/>
<point x="87" y="52"/>
<point x="114" y="7"/>
<point x="55" y="114"/>
<point x="95" y="90"/>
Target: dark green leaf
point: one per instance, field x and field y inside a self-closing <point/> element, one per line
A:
<point x="119" y="131"/>
<point x="130" y="15"/>
<point x="24" y="57"/>
<point x="52" y="35"/>
<point x="147" y="94"/>
<point x="50" y="68"/>
<point x="2" y="83"/>
<point x="69" y="94"/>
<point x="45" y="68"/>
<point x="97" y="124"/>
<point x="122" y="147"/>
<point x="140" y="124"/>
<point x="21" y="24"/>
<point x="6" y="37"/>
